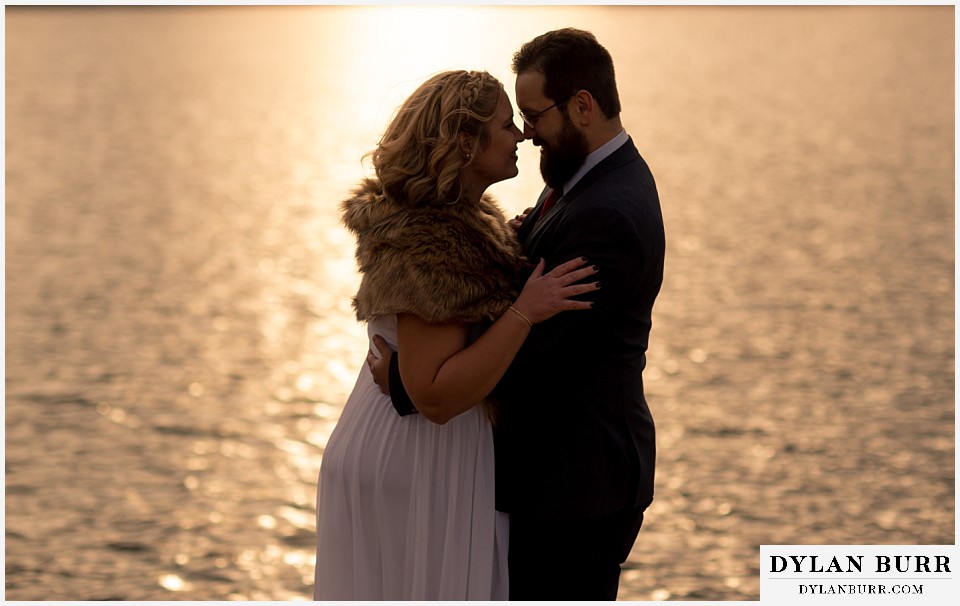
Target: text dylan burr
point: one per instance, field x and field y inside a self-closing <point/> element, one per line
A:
<point x="855" y="563"/>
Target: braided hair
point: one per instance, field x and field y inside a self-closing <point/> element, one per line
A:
<point x="419" y="159"/>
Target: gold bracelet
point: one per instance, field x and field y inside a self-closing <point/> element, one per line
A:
<point x="523" y="317"/>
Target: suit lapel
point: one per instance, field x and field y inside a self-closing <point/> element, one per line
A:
<point x="531" y="219"/>
<point x="557" y="211"/>
<point x="532" y="230"/>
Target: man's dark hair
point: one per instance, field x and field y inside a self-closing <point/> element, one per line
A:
<point x="571" y="60"/>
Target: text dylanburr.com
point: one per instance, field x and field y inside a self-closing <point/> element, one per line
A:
<point x="864" y="574"/>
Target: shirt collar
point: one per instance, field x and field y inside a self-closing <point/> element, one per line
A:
<point x="595" y="157"/>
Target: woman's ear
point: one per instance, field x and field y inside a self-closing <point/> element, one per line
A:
<point x="466" y="144"/>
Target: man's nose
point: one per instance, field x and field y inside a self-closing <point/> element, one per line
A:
<point x="528" y="131"/>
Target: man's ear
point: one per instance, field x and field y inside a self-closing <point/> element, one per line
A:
<point x="585" y="108"/>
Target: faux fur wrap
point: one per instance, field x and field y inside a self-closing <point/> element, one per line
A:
<point x="441" y="262"/>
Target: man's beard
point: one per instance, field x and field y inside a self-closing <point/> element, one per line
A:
<point x="559" y="162"/>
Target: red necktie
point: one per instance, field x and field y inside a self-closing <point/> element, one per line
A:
<point x="552" y="198"/>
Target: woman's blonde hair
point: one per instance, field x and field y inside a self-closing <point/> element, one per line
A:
<point x="419" y="156"/>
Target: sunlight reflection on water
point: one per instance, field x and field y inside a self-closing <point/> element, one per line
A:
<point x="180" y="336"/>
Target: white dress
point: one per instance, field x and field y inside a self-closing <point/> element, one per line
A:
<point x="405" y="507"/>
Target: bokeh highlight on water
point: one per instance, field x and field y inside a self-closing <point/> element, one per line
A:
<point x="179" y="337"/>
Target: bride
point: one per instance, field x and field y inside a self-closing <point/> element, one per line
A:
<point x="405" y="504"/>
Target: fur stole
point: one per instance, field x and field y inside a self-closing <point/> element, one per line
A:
<point x="442" y="262"/>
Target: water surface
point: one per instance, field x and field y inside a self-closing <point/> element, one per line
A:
<point x="179" y="338"/>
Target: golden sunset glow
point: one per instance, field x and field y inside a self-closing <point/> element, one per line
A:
<point x="180" y="337"/>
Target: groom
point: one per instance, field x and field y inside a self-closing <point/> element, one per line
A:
<point x="575" y="446"/>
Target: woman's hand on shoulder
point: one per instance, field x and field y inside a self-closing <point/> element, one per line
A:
<point x="547" y="294"/>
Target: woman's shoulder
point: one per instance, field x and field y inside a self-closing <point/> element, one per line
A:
<point x="441" y="262"/>
<point x="426" y="229"/>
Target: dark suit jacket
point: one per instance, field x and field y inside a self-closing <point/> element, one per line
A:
<point x="575" y="437"/>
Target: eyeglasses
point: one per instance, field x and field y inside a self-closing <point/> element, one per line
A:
<point x="531" y="119"/>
